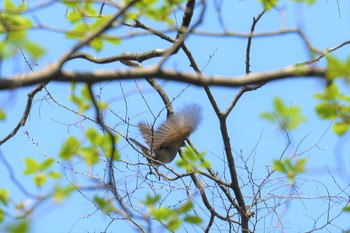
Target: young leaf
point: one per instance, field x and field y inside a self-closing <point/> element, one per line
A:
<point x="18" y="227"/>
<point x="54" y="175"/>
<point x="2" y="115"/>
<point x="32" y="166"/>
<point x="340" y="128"/>
<point x="104" y="205"/>
<point x="193" y="219"/>
<point x="4" y="196"/>
<point x="69" y="148"/>
<point x="46" y="164"/>
<point x="162" y="213"/>
<point x="2" y="215"/>
<point x="174" y="223"/>
<point x="40" y="180"/>
<point x="62" y="192"/>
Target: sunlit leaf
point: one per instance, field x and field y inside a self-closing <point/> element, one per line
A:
<point x="346" y="208"/>
<point x="18" y="227"/>
<point x="90" y="155"/>
<point x="97" y="44"/>
<point x="2" y="215"/>
<point x="4" y="196"/>
<point x="162" y="213"/>
<point x="105" y="206"/>
<point x="340" y="128"/>
<point x="40" y="180"/>
<point x="300" y="165"/>
<point x="34" y="50"/>
<point x="185" y="207"/>
<point x="205" y="164"/>
<point x="74" y="16"/>
<point x="326" y="110"/>
<point x="268" y="4"/>
<point x="193" y="219"/>
<point x="174" y="223"/>
<point x="279" y="166"/>
<point x="69" y="148"/>
<point x="32" y="166"/>
<point x="46" y="164"/>
<point x="2" y="115"/>
<point x="60" y="193"/>
<point x="54" y="175"/>
<point x="151" y="200"/>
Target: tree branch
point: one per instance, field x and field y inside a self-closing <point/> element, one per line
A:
<point x="50" y="73"/>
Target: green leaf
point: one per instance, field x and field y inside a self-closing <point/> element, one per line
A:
<point x="78" y="31"/>
<point x="40" y="179"/>
<point x="34" y="50"/>
<point x="54" y="175"/>
<point x="85" y="93"/>
<point x="9" y="5"/>
<point x="189" y="154"/>
<point x="4" y="196"/>
<point x="104" y="205"/>
<point x="70" y="3"/>
<point x="17" y="36"/>
<point x="289" y="169"/>
<point x="32" y="166"/>
<point x="112" y="40"/>
<point x="193" y="219"/>
<point x="62" y="192"/>
<point x="205" y="164"/>
<point x="268" y="4"/>
<point x="300" y="165"/>
<point x="69" y="148"/>
<point x="93" y="137"/>
<point x="336" y="68"/>
<point x="74" y="16"/>
<point x="346" y="208"/>
<point x="2" y="115"/>
<point x="102" y="105"/>
<point x="288" y="117"/>
<point x="340" y="128"/>
<point x="18" y="227"/>
<point x="310" y="2"/>
<point x="97" y="44"/>
<point x="90" y="10"/>
<point x="279" y="166"/>
<point x="326" y="111"/>
<point x="46" y="164"/>
<point x="279" y="105"/>
<point x="2" y="215"/>
<point x="268" y="116"/>
<point x="91" y="155"/>
<point x="151" y="200"/>
<point x="162" y="213"/>
<point x="185" y="207"/>
<point x="174" y="223"/>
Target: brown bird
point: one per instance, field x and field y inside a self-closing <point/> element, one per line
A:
<point x="164" y="142"/>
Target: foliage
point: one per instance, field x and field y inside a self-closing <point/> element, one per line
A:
<point x="289" y="169"/>
<point x="334" y="106"/>
<point x="288" y="117"/>
<point x="191" y="160"/>
<point x="171" y="217"/>
<point x="13" y="32"/>
<point x="221" y="188"/>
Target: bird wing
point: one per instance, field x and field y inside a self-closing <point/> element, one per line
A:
<point x="177" y="127"/>
<point x="147" y="132"/>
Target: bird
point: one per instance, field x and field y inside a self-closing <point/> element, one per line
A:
<point x="164" y="142"/>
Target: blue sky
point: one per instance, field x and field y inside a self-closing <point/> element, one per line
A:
<point x="49" y="124"/>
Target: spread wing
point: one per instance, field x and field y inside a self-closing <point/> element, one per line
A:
<point x="146" y="130"/>
<point x="177" y="127"/>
